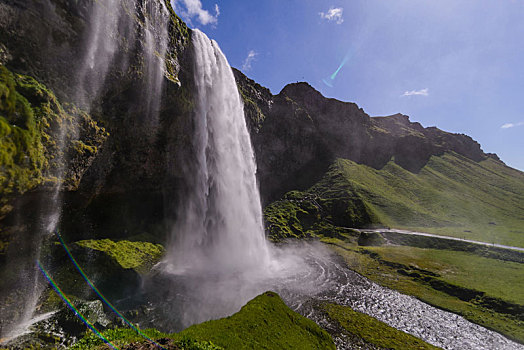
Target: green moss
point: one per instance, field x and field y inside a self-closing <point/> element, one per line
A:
<point x="288" y="219"/>
<point x="252" y="109"/>
<point x="140" y="256"/>
<point x="37" y="134"/>
<point x="329" y="204"/>
<point x="22" y="157"/>
<point x="373" y="331"/>
<point x="124" y="336"/>
<point x="263" y="323"/>
<point x="180" y="37"/>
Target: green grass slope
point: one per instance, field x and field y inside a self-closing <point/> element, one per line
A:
<point x="450" y="195"/>
<point x="373" y="331"/>
<point x="263" y="323"/>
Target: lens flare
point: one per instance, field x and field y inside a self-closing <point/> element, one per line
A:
<point x="72" y="307"/>
<point x="95" y="289"/>
<point x="329" y="80"/>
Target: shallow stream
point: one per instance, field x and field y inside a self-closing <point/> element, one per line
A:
<point x="317" y="275"/>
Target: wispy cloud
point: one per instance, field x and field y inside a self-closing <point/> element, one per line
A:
<point x="511" y="125"/>
<point x="333" y="14"/>
<point x="190" y="9"/>
<point x="422" y="92"/>
<point x="251" y="55"/>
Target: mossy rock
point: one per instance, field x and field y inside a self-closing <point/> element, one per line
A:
<point x="263" y="323"/>
<point x="114" y="267"/>
<point x="38" y="134"/>
<point x="139" y="256"/>
<point x="126" y="338"/>
<point x="42" y="142"/>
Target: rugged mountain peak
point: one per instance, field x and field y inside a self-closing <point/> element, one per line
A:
<point x="299" y="91"/>
<point x="300" y="133"/>
<point x="397" y="118"/>
<point x="398" y="124"/>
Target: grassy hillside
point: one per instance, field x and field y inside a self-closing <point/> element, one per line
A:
<point x="263" y="323"/>
<point x="450" y="195"/>
<point x="371" y="330"/>
<point x="497" y="278"/>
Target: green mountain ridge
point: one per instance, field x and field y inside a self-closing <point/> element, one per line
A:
<point x="348" y="169"/>
<point x="450" y="195"/>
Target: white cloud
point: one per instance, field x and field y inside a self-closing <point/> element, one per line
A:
<point x="190" y="9"/>
<point x="333" y="14"/>
<point x="251" y="55"/>
<point x="511" y="125"/>
<point x="422" y="92"/>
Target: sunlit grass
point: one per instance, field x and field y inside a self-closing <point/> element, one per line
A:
<point x="458" y="268"/>
<point x="497" y="278"/>
<point x="451" y="195"/>
<point x="372" y="330"/>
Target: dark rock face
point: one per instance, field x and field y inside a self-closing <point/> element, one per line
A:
<point x="296" y="134"/>
<point x="301" y="133"/>
<point x="46" y="40"/>
<point x="124" y="166"/>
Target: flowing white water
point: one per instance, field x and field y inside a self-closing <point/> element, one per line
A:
<point x="156" y="18"/>
<point x="219" y="227"/>
<point x="100" y="47"/>
<point x="112" y="29"/>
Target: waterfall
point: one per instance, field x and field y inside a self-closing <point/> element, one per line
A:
<point x="100" y="48"/>
<point x="108" y="43"/>
<point x="156" y="19"/>
<point x="219" y="226"/>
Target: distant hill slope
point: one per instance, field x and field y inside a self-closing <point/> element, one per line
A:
<point x="451" y="194"/>
<point x="347" y="169"/>
<point x="299" y="133"/>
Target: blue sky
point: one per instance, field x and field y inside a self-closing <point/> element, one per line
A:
<point x="457" y="65"/>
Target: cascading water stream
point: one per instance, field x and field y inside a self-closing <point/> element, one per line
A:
<point x="219" y="226"/>
<point x="111" y="32"/>
<point x="155" y="28"/>
<point x="100" y="48"/>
